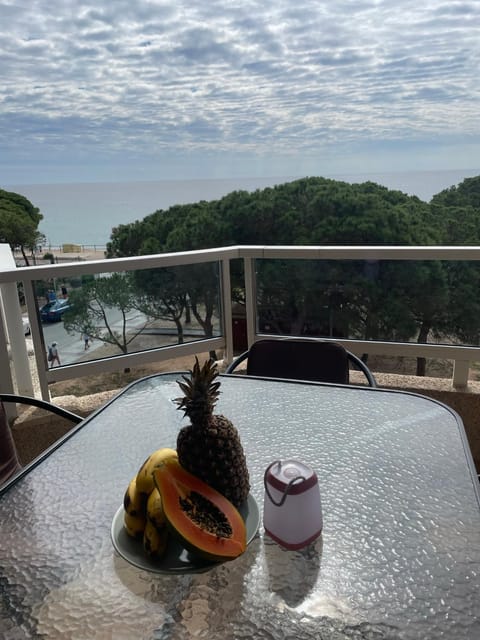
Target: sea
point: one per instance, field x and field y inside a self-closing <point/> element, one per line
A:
<point x="85" y="213"/>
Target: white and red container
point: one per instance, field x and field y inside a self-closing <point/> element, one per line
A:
<point x="292" y="511"/>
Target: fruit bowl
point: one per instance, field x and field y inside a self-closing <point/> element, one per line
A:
<point x="176" y="558"/>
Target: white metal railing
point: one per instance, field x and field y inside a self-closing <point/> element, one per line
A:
<point x="462" y="356"/>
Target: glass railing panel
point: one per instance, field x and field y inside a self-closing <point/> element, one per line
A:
<point x="115" y="313"/>
<point x="384" y="300"/>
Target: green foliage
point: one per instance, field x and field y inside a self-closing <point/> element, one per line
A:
<point x="379" y="300"/>
<point x="162" y="294"/>
<point x="303" y="212"/>
<point x="102" y="304"/>
<point x="19" y="221"/>
<point x="467" y="193"/>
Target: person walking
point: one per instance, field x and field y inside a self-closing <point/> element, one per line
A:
<point x="53" y="355"/>
<point x="86" y="340"/>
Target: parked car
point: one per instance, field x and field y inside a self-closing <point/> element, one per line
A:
<point x="53" y="311"/>
<point x="45" y="309"/>
<point x="26" y="325"/>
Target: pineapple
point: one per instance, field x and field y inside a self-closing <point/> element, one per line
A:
<point x="210" y="447"/>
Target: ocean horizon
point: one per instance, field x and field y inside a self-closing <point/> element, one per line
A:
<point x="86" y="213"/>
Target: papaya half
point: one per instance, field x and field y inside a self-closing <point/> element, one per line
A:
<point x="202" y="518"/>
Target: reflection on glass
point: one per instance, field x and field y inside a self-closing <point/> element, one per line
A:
<point x="388" y="300"/>
<point x="119" y="313"/>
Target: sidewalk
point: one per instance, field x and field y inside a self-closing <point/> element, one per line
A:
<point x="85" y="254"/>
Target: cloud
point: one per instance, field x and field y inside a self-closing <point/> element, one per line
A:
<point x="229" y="77"/>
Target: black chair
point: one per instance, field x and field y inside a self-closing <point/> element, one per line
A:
<point x="314" y="360"/>
<point x="9" y="462"/>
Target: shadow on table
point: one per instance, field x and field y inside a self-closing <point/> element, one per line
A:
<point x="193" y="602"/>
<point x="292" y="574"/>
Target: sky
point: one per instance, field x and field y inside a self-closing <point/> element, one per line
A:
<point x="148" y="90"/>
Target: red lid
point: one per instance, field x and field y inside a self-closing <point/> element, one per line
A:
<point x="281" y="474"/>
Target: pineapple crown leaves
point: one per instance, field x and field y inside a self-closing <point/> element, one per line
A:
<point x="201" y="391"/>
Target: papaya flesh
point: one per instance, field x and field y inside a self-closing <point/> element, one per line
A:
<point x="202" y="518"/>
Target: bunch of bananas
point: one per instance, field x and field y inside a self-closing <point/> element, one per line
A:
<point x="144" y="518"/>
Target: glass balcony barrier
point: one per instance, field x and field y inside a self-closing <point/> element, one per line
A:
<point x="106" y="315"/>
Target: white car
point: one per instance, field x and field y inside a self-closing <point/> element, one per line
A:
<point x="26" y="325"/>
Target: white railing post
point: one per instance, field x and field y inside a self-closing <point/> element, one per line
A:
<point x="250" y="299"/>
<point x="461" y="370"/>
<point x="14" y="327"/>
<point x="37" y="339"/>
<point x="16" y="336"/>
<point x="6" y="381"/>
<point x="226" y="294"/>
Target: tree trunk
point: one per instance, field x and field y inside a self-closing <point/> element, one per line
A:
<point x="179" y="326"/>
<point x="371" y="327"/>
<point x="421" y="366"/>
<point x="422" y="339"/>
<point x="27" y="264"/>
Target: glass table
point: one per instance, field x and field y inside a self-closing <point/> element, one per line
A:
<point x="399" y="556"/>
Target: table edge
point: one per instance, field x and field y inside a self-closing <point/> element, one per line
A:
<point x="363" y="389"/>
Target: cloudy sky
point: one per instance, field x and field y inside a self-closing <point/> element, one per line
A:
<point x="149" y="90"/>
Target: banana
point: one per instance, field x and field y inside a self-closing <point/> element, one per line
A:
<point x="134" y="502"/>
<point x="134" y="525"/>
<point x="144" y="476"/>
<point x="155" y="535"/>
<point x="143" y="516"/>
<point x="155" y="512"/>
<point x="154" y="541"/>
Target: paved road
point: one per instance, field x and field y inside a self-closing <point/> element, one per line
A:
<point x="71" y="348"/>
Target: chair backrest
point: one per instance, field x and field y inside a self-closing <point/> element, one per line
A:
<point x="302" y="359"/>
<point x="9" y="462"/>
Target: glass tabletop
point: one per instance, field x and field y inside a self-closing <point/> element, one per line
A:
<point x="399" y="555"/>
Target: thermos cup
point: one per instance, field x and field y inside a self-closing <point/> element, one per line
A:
<point x="292" y="512"/>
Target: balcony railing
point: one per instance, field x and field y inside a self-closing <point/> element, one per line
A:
<point x="11" y="327"/>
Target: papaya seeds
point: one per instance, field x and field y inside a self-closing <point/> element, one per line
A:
<point x="204" y="521"/>
<point x="206" y="515"/>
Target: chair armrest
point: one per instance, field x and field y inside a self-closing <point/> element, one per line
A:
<point x="41" y="404"/>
